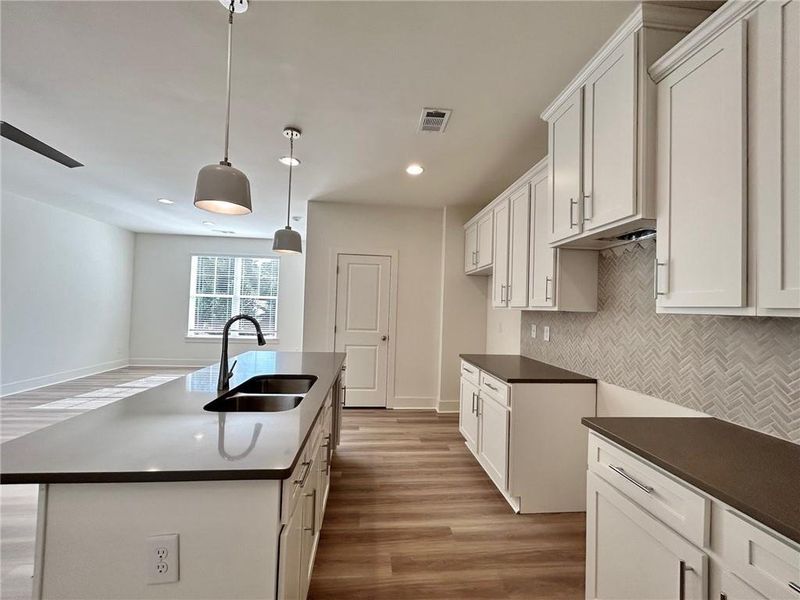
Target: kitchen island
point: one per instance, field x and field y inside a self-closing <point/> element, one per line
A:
<point x="154" y="496"/>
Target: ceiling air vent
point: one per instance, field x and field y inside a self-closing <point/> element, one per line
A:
<point x="434" y="120"/>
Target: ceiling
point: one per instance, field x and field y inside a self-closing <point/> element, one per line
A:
<point x="135" y="91"/>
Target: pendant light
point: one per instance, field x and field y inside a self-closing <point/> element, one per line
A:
<point x="287" y="240"/>
<point x="222" y="188"/>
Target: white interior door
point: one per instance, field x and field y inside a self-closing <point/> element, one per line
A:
<point x="362" y="325"/>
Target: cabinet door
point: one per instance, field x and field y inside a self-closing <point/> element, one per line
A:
<point x="631" y="555"/>
<point x="323" y="475"/>
<point x="519" y="230"/>
<point x="500" y="268"/>
<point x="609" y="139"/>
<point x="774" y="48"/>
<point x="471" y="247"/>
<point x="701" y="180"/>
<point x="485" y="242"/>
<point x="468" y="414"/>
<point x="565" y="132"/>
<point x="542" y="284"/>
<point x="289" y="569"/>
<point x="493" y="421"/>
<point x="310" y="529"/>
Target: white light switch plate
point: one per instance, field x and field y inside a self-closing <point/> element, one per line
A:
<point x="533" y="330"/>
<point x="546" y="333"/>
<point x="162" y="559"/>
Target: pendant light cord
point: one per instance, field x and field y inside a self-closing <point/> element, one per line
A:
<point x="228" y="110"/>
<point x="291" y="161"/>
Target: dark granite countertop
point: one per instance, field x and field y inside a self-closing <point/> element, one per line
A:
<point x="513" y="368"/>
<point x="755" y="473"/>
<point x="163" y="434"/>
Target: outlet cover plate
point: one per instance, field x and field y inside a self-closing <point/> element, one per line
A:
<point x="533" y="330"/>
<point x="162" y="559"/>
<point x="546" y="333"/>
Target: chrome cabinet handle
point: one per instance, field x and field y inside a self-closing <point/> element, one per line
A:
<point x="682" y="579"/>
<point x="502" y="297"/>
<point x="585" y="198"/>
<point x="641" y="486"/>
<point x="572" y="203"/>
<point x="477" y="256"/>
<point x="302" y="481"/>
<point x="474" y="408"/>
<point x="313" y="529"/>
<point x="547" y="281"/>
<point x="468" y="370"/>
<point x="490" y="386"/>
<point x="794" y="587"/>
<point x="657" y="264"/>
<point x="508" y="293"/>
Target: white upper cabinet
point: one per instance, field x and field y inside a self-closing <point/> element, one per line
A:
<point x="565" y="168"/>
<point x="517" y="288"/>
<point x="727" y="178"/>
<point x="479" y="244"/>
<point x="471" y="248"/>
<point x="601" y="133"/>
<point x="609" y="144"/>
<point x="485" y="241"/>
<point x="500" y="267"/>
<point x="702" y="153"/>
<point x="543" y="257"/>
<point x="774" y="56"/>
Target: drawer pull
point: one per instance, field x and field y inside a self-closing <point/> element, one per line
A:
<point x="794" y="587"/>
<point x="468" y="370"/>
<point x="641" y="486"/>
<point x="490" y="386"/>
<point x="301" y="482"/>
<point x="682" y="579"/>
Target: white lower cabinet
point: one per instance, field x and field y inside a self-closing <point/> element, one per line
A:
<point x="494" y="424"/>
<point x="650" y="535"/>
<point x="515" y="431"/>
<point x="632" y="555"/>
<point x="303" y="509"/>
<point x="468" y="413"/>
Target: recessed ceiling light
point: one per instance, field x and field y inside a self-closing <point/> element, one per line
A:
<point x="165" y="201"/>
<point x="297" y="218"/>
<point x="208" y="223"/>
<point x="288" y="160"/>
<point x="414" y="169"/>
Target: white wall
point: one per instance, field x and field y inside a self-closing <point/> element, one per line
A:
<point x="65" y="295"/>
<point x="502" y="326"/>
<point x="415" y="234"/>
<point x="463" y="307"/>
<point x="161" y="299"/>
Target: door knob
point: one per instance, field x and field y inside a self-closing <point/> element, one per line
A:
<point x="384" y="338"/>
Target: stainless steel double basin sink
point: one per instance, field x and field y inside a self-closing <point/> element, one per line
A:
<point x="265" y="393"/>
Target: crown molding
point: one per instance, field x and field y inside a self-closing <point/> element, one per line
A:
<point x="731" y="12"/>
<point x="651" y="16"/>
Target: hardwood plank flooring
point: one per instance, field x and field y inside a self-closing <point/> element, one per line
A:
<point x="411" y="515"/>
<point x="18" y="502"/>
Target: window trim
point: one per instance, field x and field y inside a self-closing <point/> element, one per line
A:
<point x="234" y="335"/>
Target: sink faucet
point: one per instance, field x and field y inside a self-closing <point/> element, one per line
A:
<point x="225" y="374"/>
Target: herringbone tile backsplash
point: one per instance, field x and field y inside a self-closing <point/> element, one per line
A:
<point x="742" y="369"/>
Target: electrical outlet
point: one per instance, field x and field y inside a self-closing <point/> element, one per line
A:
<point x="546" y="333"/>
<point x="533" y="330"/>
<point x="161" y="560"/>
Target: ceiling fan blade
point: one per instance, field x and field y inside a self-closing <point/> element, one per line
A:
<point x="31" y="143"/>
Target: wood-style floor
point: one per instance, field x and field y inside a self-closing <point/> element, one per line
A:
<point x="412" y="516"/>
<point x="18" y="502"/>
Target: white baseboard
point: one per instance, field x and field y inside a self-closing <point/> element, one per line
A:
<point x="15" y="387"/>
<point x="447" y="406"/>
<point x="412" y="402"/>
<point x="172" y="362"/>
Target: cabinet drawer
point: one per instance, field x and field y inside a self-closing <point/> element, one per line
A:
<point x="761" y="559"/>
<point x="733" y="588"/>
<point x="494" y="387"/>
<point x="470" y="372"/>
<point x="678" y="506"/>
<point x="292" y="487"/>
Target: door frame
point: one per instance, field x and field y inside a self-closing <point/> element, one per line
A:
<point x="330" y="318"/>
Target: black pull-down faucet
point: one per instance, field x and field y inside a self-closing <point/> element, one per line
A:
<point x="225" y="374"/>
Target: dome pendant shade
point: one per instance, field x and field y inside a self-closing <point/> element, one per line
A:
<point x="287" y="241"/>
<point x="223" y="189"/>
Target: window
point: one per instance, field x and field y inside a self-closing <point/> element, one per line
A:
<point x="224" y="286"/>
